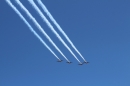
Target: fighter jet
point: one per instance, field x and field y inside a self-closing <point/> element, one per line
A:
<point x="69" y="62"/>
<point x="59" y="60"/>
<point x="86" y="62"/>
<point x="81" y="64"/>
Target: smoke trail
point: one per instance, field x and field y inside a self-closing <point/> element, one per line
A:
<point x="59" y="28"/>
<point x="30" y="27"/>
<point x="39" y="27"/>
<point x="51" y="27"/>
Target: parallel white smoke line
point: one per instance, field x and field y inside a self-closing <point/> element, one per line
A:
<point x="39" y="27"/>
<point x="30" y="27"/>
<point x="59" y="28"/>
<point x="51" y="27"/>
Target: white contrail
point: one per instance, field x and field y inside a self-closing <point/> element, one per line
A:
<point x="30" y="27"/>
<point x="39" y="27"/>
<point x="59" y="28"/>
<point x="51" y="27"/>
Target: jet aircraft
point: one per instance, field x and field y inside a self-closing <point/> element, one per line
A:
<point x="86" y="62"/>
<point x="81" y="64"/>
<point x="59" y="60"/>
<point x="69" y="62"/>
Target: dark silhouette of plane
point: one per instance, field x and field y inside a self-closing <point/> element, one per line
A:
<point x="69" y="62"/>
<point x="86" y="62"/>
<point x="81" y="64"/>
<point x="59" y="60"/>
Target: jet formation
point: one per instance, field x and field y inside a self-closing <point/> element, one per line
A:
<point x="71" y="62"/>
<point x="39" y="27"/>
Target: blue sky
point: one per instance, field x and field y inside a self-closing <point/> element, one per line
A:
<point x="98" y="28"/>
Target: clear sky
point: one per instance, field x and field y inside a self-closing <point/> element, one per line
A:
<point x="100" y="29"/>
